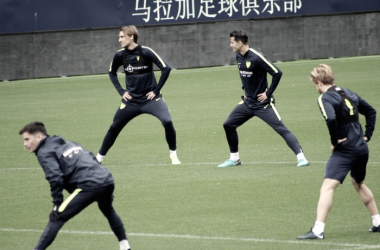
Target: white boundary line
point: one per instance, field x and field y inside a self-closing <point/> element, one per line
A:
<point x="186" y="236"/>
<point x="196" y="163"/>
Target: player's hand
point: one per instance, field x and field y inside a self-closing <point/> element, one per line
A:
<point x="365" y="138"/>
<point x="339" y="142"/>
<point x="54" y="215"/>
<point x="263" y="96"/>
<point x="127" y="96"/>
<point x="150" y="95"/>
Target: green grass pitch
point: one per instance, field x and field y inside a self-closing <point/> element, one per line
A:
<point x="263" y="204"/>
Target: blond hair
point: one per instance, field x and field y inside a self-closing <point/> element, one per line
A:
<point x="323" y="74"/>
<point x="130" y="30"/>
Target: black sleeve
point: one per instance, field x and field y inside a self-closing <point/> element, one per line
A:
<point x="328" y="112"/>
<point x="115" y="64"/>
<point x="272" y="69"/>
<point x="53" y="174"/>
<point x="162" y="65"/>
<point x="370" y="117"/>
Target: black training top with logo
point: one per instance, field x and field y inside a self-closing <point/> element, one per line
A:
<point x="140" y="78"/>
<point x="337" y="110"/>
<point x="253" y="69"/>
<point x="67" y="165"/>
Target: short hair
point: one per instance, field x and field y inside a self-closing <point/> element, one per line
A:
<point x="240" y="36"/>
<point x="322" y="73"/>
<point x="129" y="31"/>
<point x="33" y="128"/>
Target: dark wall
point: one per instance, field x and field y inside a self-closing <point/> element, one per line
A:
<point x="68" y="53"/>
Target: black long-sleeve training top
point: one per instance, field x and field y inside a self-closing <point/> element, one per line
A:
<point x="253" y="69"/>
<point x="330" y="104"/>
<point x="67" y="165"/>
<point x="140" y="78"/>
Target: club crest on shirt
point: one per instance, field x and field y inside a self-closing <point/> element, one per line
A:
<point x="138" y="58"/>
<point x="248" y="64"/>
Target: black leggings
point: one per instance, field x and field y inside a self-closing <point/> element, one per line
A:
<point x="157" y="107"/>
<point x="268" y="114"/>
<point x="74" y="204"/>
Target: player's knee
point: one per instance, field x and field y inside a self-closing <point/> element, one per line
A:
<point x="357" y="186"/>
<point x="228" y="126"/>
<point x="168" y="123"/>
<point x="115" y="128"/>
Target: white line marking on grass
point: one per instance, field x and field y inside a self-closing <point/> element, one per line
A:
<point x="194" y="163"/>
<point x="186" y="236"/>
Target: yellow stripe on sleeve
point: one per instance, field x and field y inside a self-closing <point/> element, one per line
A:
<point x="322" y="107"/>
<point x="159" y="58"/>
<point x="111" y="65"/>
<point x="264" y="59"/>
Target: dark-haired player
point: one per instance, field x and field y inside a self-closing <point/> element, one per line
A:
<point x="258" y="99"/>
<point x="67" y="165"/>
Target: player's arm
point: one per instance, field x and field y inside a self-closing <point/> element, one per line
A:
<point x="162" y="65"/>
<point x="53" y="174"/>
<point x="328" y="112"/>
<point x="115" y="64"/>
<point x="272" y="69"/>
<point x="370" y="117"/>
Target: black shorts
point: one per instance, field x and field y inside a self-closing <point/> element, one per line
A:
<point x="339" y="165"/>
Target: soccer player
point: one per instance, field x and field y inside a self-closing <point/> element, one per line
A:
<point x="341" y="108"/>
<point x="69" y="166"/>
<point x="258" y="99"/>
<point x="142" y="94"/>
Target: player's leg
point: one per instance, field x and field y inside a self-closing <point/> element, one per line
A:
<point x="323" y="209"/>
<point x="337" y="168"/>
<point x="358" y="173"/>
<point x="75" y="203"/>
<point x="158" y="108"/>
<point x="123" y="115"/>
<point x="105" y="199"/>
<point x="239" y="115"/>
<point x="270" y="115"/>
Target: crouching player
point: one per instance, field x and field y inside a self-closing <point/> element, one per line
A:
<point x="69" y="166"/>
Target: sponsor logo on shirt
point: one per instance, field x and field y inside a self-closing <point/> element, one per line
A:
<point x="72" y="150"/>
<point x="130" y="69"/>
<point x="246" y="73"/>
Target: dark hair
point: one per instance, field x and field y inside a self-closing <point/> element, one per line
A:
<point x="240" y="36"/>
<point x="33" y="128"/>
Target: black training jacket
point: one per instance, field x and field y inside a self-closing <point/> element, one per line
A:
<point x="67" y="165"/>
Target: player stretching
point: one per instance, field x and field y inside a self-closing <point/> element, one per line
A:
<point x="142" y="94"/>
<point x="341" y="108"/>
<point x="257" y="100"/>
<point x="69" y="166"/>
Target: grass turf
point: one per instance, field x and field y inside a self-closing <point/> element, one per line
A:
<point x="263" y="204"/>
